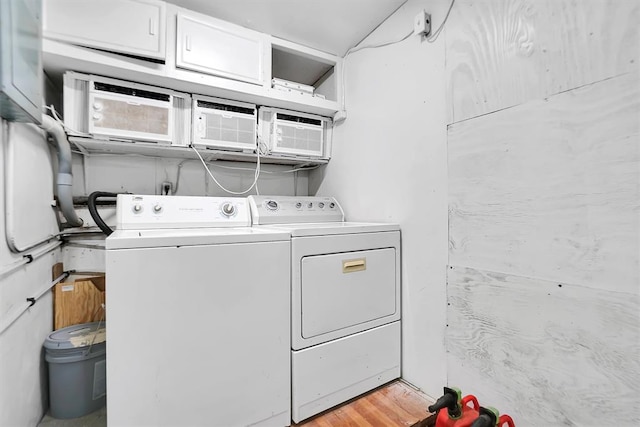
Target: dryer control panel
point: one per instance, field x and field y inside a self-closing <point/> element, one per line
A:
<point x="143" y="212"/>
<point x="294" y="209"/>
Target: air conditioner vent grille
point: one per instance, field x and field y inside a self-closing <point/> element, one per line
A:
<point x="228" y="129"/>
<point x="300" y="139"/>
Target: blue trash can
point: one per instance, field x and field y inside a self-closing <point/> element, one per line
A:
<point x="77" y="369"/>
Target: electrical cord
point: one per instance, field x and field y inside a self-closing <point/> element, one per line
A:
<point x="430" y="39"/>
<point x="177" y="185"/>
<point x="238" y="193"/>
<point x="373" y="46"/>
<point x="437" y="32"/>
<point x="57" y="118"/>
<point x="359" y="48"/>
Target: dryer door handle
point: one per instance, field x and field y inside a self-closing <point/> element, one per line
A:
<point x="353" y="265"/>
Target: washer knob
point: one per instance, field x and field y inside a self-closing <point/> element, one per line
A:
<point x="321" y="205"/>
<point x="272" y="205"/>
<point x="157" y="208"/>
<point x="310" y="205"/>
<point x="137" y="208"/>
<point x="228" y="209"/>
<point x="332" y="205"/>
<point x="298" y="205"/>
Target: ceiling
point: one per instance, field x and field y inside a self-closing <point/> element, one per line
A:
<point x="332" y="26"/>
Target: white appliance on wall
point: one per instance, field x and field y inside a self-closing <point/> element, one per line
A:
<point x="116" y="109"/>
<point x="295" y="134"/>
<point x="199" y="326"/>
<point x="224" y="124"/>
<point x="345" y="300"/>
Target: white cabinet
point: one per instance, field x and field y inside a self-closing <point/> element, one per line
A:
<point x="20" y="63"/>
<point x="135" y="27"/>
<point x="216" y="47"/>
<point x="198" y="54"/>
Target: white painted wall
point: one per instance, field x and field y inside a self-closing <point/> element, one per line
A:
<point x="144" y="175"/>
<point x="23" y="385"/>
<point x="389" y="165"/>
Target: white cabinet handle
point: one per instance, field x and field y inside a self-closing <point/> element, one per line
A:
<point x="152" y="26"/>
<point x="187" y="43"/>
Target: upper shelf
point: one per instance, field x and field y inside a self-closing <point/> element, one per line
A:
<point x="97" y="146"/>
<point x="168" y="46"/>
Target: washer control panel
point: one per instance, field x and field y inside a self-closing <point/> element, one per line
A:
<point x="140" y="212"/>
<point x="293" y="209"/>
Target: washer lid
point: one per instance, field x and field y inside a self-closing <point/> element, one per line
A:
<point x="332" y="228"/>
<point x="131" y="239"/>
<point x="77" y="336"/>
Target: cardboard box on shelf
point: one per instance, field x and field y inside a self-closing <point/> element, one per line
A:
<point x="79" y="300"/>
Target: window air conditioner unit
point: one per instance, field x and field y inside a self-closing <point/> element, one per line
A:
<point x="292" y="133"/>
<point x="114" y="109"/>
<point x="220" y="123"/>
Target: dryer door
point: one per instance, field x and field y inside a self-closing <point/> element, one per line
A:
<point x="346" y="289"/>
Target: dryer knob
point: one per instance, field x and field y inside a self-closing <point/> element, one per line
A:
<point x="228" y="209"/>
<point x="298" y="205"/>
<point x="272" y="205"/>
<point x="157" y="208"/>
<point x="137" y="208"/>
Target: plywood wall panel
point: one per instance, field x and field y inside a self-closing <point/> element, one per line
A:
<point x="502" y="53"/>
<point x="551" y="189"/>
<point x="548" y="353"/>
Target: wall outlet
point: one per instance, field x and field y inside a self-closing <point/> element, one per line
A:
<point x="166" y="188"/>
<point x="422" y="23"/>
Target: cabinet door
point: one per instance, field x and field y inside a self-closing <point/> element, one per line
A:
<point x="218" y="48"/>
<point x="20" y="65"/>
<point x="135" y="27"/>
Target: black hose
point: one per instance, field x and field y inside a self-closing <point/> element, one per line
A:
<point x="91" y="203"/>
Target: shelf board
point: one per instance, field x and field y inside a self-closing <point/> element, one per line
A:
<point x="91" y="146"/>
<point x="59" y="57"/>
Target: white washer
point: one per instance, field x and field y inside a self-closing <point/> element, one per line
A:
<point x="345" y="300"/>
<point x="197" y="304"/>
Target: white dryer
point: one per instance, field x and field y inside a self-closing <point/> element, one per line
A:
<point x="345" y="300"/>
<point x="197" y="302"/>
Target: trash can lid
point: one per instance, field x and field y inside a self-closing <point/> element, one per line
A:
<point x="77" y="336"/>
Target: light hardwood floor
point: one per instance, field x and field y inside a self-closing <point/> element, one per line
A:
<point x="393" y="405"/>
